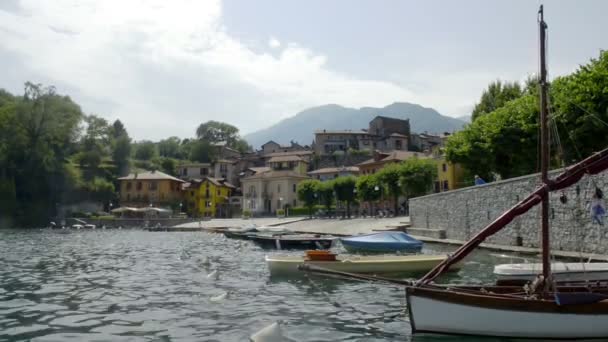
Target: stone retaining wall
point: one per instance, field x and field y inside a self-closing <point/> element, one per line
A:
<point x="464" y="212"/>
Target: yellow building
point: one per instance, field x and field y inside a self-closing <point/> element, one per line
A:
<point x="149" y="188"/>
<point x="449" y="176"/>
<point x="209" y="197"/>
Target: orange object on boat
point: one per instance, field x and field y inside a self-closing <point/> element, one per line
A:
<point x="320" y="256"/>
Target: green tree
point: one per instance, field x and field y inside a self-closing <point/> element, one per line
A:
<point x="215" y="131"/>
<point x="121" y="153"/>
<point x="306" y="193"/>
<point x="168" y="165"/>
<point x="325" y="191"/>
<point x="495" y="96"/>
<point x="202" y="151"/>
<point x="580" y="108"/>
<point x="389" y="176"/>
<point x="345" y="191"/>
<point x="366" y="189"/>
<point x="145" y="150"/>
<point x="417" y="176"/>
<point x="170" y="147"/>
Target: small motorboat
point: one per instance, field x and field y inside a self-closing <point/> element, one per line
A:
<point x="295" y="241"/>
<point x="243" y="232"/>
<point x="286" y="264"/>
<point x="562" y="272"/>
<point x="273" y="229"/>
<point x="383" y="242"/>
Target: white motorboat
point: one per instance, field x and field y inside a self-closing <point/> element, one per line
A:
<point x="288" y="264"/>
<point x="562" y="272"/>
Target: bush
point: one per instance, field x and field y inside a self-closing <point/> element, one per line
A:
<point x="280" y="212"/>
<point x="303" y="211"/>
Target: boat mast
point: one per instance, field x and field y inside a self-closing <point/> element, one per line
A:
<point x="544" y="152"/>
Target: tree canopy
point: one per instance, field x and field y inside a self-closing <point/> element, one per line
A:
<point x="496" y="96"/>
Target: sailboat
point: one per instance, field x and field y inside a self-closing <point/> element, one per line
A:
<point x="543" y="309"/>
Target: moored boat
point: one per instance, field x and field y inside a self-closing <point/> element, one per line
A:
<point x="288" y="264"/>
<point x="383" y="242"/>
<point x="296" y="241"/>
<point x="540" y="310"/>
<point x="562" y="272"/>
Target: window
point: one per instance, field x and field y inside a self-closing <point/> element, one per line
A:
<point x="294" y="187"/>
<point x="445" y="185"/>
<point x="218" y="191"/>
<point x="192" y="193"/>
<point x="294" y="203"/>
<point x="207" y="192"/>
<point x="184" y="171"/>
<point x="398" y="145"/>
<point x="128" y="186"/>
<point x="278" y="188"/>
<point x="223" y="168"/>
<point x="138" y="186"/>
<point x="203" y="171"/>
<point x="153" y="186"/>
<point x="128" y="197"/>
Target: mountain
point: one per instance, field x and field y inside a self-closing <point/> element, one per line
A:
<point x="465" y="118"/>
<point x="301" y="127"/>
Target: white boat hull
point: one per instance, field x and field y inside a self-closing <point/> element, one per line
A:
<point x="430" y="315"/>
<point x="561" y="271"/>
<point x="281" y="264"/>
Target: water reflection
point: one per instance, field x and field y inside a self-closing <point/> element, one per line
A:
<point x="130" y="285"/>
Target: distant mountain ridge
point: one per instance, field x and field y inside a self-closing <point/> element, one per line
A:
<point x="301" y="127"/>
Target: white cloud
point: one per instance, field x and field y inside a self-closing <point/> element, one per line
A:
<point x="163" y="67"/>
<point x="274" y="43"/>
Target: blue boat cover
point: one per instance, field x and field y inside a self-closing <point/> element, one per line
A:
<point x="383" y="241"/>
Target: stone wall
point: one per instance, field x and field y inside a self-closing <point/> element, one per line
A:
<point x="464" y="212"/>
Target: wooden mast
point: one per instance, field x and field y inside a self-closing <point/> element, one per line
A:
<point x="544" y="152"/>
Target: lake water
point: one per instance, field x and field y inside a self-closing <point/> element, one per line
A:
<point x="133" y="285"/>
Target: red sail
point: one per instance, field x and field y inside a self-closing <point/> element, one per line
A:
<point x="592" y="165"/>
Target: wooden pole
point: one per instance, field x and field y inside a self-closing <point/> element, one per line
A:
<point x="544" y="153"/>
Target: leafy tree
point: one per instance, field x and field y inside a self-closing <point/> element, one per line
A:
<point x="390" y="177"/>
<point x="325" y="191"/>
<point x="202" y="151"/>
<point x="345" y="191"/>
<point x="417" y="176"/>
<point x="580" y="108"/>
<point x="121" y="152"/>
<point x="366" y="189"/>
<point x="306" y="193"/>
<point x="495" y="96"/>
<point x="170" y="147"/>
<point x="118" y="129"/>
<point x="168" y="165"/>
<point x="215" y="131"/>
<point x="145" y="150"/>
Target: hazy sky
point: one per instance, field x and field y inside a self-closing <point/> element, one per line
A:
<point x="163" y="67"/>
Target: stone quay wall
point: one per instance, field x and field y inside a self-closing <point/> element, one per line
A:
<point x="464" y="212"/>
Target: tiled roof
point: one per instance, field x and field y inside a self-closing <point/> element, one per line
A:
<point x="393" y="156"/>
<point x="275" y="174"/>
<point x="260" y="169"/>
<point x="290" y="153"/>
<point x="285" y="159"/>
<point x="353" y="169"/>
<point x="150" y="175"/>
<point x="345" y="131"/>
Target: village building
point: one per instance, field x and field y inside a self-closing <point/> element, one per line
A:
<point x="209" y="197"/>
<point x="194" y="170"/>
<point x="266" y="189"/>
<point x="329" y="173"/>
<point x="381" y="159"/>
<point x="383" y="133"/>
<point x="149" y="188"/>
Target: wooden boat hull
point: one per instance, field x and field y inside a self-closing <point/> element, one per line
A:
<point x="292" y="242"/>
<point x="280" y="264"/>
<point x="449" y="312"/>
<point x="562" y="272"/>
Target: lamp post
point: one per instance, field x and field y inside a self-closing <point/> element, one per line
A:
<point x="355" y="195"/>
<point x="377" y="188"/>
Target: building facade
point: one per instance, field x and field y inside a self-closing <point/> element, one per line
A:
<point x="195" y="170"/>
<point x="450" y="176"/>
<point x="209" y="197"/>
<point x="381" y="159"/>
<point x="274" y="187"/>
<point x="149" y="188"/>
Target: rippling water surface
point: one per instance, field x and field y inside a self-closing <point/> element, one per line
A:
<point x="133" y="285"/>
